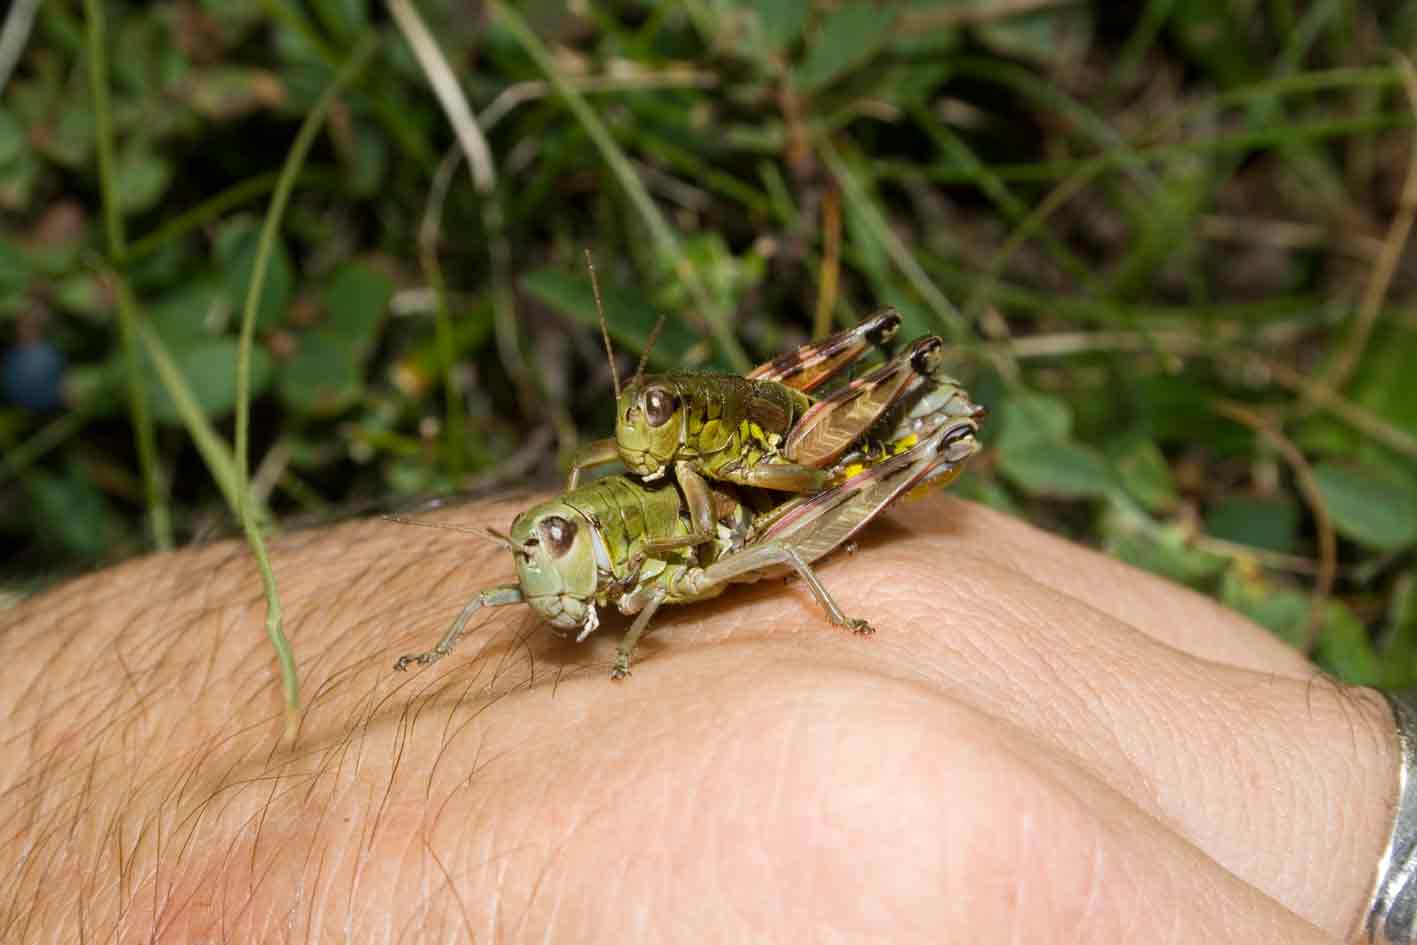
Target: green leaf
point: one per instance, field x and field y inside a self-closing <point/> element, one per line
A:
<point x="1373" y="507"/>
<point x="96" y="389"/>
<point x="1210" y="33"/>
<point x="69" y="510"/>
<point x="370" y="161"/>
<point x="1400" y="637"/>
<point x="726" y="277"/>
<point x="355" y="302"/>
<point x="84" y="294"/>
<point x="224" y="92"/>
<point x="1162" y="225"/>
<point x="189" y="314"/>
<point x="141" y="177"/>
<point x="234" y="17"/>
<point x="851" y="35"/>
<point x="70" y="140"/>
<point x="14" y="274"/>
<point x="861" y="236"/>
<point x="343" y="18"/>
<point x="1164" y="551"/>
<point x="1062" y="470"/>
<point x="210" y="369"/>
<point x="12" y="138"/>
<point x="1144" y="473"/>
<point x="986" y="490"/>
<point x="1028" y="417"/>
<point x="924" y="41"/>
<point x="1385" y="382"/>
<point x="236" y="250"/>
<point x="17" y="181"/>
<point x="782" y="20"/>
<point x="472" y="328"/>
<point x="1282" y="610"/>
<point x="1344" y="648"/>
<point x="322" y="378"/>
<point x="1173" y="412"/>
<point x="1272" y="524"/>
<point x="1058" y="37"/>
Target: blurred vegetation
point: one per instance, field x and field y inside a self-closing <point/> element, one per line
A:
<point x="1167" y="241"/>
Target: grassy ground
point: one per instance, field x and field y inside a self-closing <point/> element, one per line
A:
<point x="1167" y="245"/>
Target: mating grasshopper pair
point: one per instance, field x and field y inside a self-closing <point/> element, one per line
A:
<point x="766" y="479"/>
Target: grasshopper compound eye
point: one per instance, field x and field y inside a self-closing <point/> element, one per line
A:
<point x="558" y="534"/>
<point x="660" y="406"/>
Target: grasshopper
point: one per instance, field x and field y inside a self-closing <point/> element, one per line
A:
<point x="620" y="541"/>
<point x="764" y="430"/>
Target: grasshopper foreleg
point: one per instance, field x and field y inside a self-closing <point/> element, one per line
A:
<point x="498" y="596"/>
<point x="599" y="453"/>
<point x="698" y="499"/>
<point x="628" y="642"/>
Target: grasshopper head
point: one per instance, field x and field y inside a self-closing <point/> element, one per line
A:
<point x="555" y="550"/>
<point x="945" y="401"/>
<point x="649" y="425"/>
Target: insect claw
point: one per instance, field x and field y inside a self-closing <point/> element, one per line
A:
<point x="408" y="659"/>
<point x="860" y="627"/>
<point x="592" y="622"/>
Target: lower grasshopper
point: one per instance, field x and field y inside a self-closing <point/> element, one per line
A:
<point x="621" y="541"/>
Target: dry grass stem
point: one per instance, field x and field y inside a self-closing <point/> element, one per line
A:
<point x="1309" y="488"/>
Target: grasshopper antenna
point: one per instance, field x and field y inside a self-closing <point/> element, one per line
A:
<point x="649" y="346"/>
<point x="484" y="532"/>
<point x="604" y="329"/>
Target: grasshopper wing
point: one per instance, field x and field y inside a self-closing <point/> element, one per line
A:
<point x="832" y="425"/>
<point x="813" y="526"/>
<point x="805" y="368"/>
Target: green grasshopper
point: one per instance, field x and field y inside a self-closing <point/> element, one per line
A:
<point x="764" y="430"/>
<point x="620" y="541"/>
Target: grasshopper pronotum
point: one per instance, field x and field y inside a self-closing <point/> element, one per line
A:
<point x="619" y="541"/>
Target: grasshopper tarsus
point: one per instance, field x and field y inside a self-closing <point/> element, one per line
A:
<point x="422" y="659"/>
<point x="859" y="627"/>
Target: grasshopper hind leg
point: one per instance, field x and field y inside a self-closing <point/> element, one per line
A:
<point x="739" y="564"/>
<point x="823" y="596"/>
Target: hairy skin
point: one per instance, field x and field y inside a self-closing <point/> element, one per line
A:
<point x="1039" y="744"/>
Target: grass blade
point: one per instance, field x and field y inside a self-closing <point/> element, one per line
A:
<point x="154" y="489"/>
<point x="666" y="243"/>
<point x="855" y="193"/>
<point x="351" y="69"/>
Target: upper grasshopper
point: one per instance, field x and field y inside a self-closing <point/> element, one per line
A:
<point x="766" y="430"/>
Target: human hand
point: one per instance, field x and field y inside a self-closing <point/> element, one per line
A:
<point x="1038" y="744"/>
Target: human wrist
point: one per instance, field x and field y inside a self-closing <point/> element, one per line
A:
<point x="141" y="705"/>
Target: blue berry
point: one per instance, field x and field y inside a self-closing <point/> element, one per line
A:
<point x="32" y="373"/>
